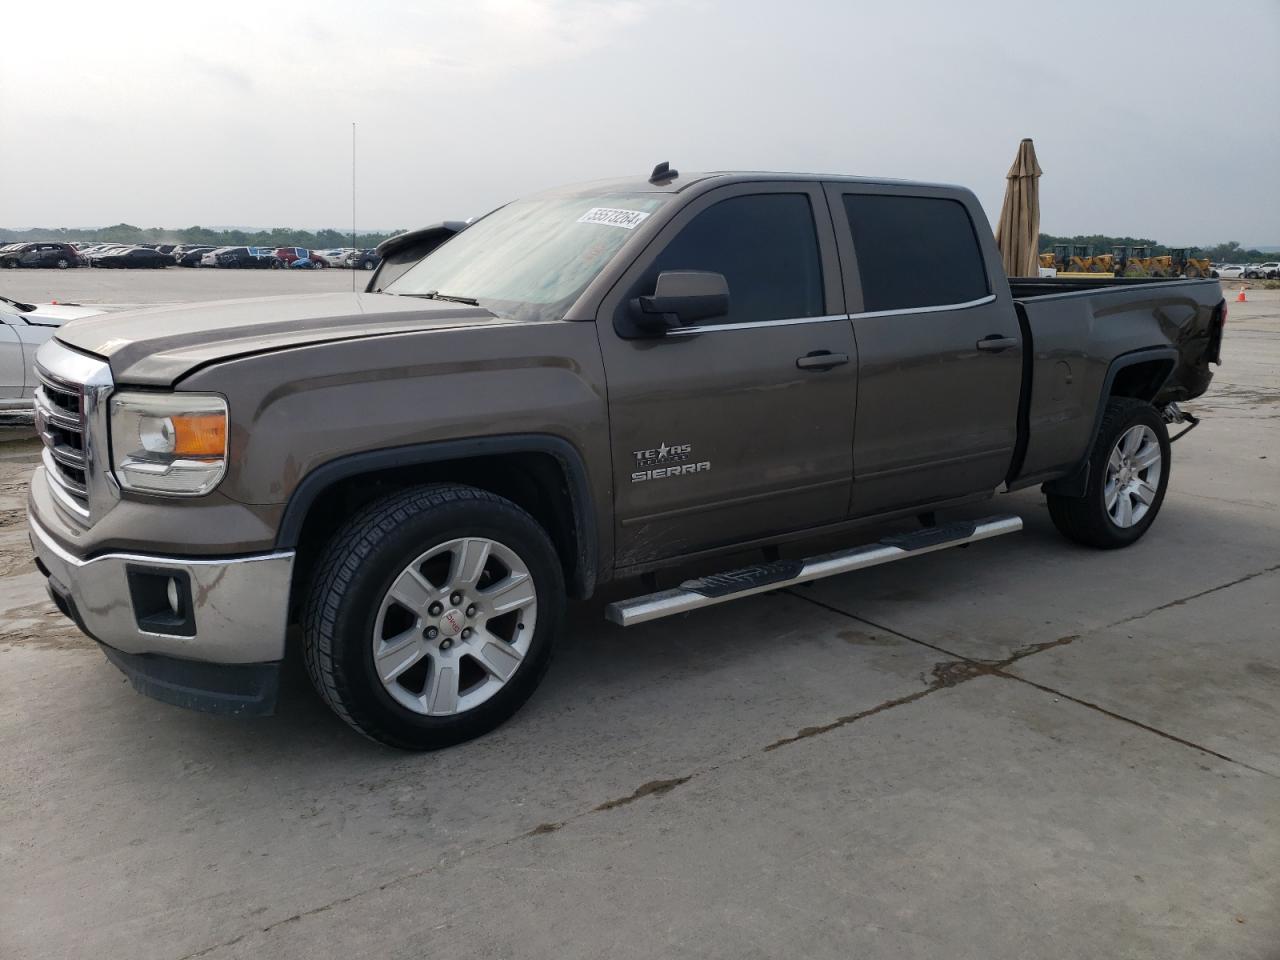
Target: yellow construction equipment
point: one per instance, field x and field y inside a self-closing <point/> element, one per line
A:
<point x="1185" y="265"/>
<point x="1077" y="259"/>
<point x="1138" y="262"/>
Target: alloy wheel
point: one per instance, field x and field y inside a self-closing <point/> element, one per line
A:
<point x="454" y="626"/>
<point x="1133" y="476"/>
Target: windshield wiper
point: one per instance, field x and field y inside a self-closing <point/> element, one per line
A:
<point x="437" y="295"/>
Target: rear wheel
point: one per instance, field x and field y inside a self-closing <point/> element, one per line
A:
<point x="1128" y="476"/>
<point x="62" y="263"/>
<point x="432" y="615"/>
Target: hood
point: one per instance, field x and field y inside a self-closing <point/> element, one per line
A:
<point x="56" y="314"/>
<point x="157" y="347"/>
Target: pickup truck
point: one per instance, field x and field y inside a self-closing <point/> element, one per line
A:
<point x="584" y="386"/>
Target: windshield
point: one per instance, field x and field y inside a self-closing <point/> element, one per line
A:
<point x="532" y="258"/>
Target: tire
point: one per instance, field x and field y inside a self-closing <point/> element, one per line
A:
<point x="410" y="540"/>
<point x="368" y="265"/>
<point x="1090" y="520"/>
<point x="62" y="263"/>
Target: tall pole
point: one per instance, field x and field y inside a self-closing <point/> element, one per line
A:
<point x="353" y="199"/>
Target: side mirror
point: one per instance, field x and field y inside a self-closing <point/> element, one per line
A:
<point x="680" y="297"/>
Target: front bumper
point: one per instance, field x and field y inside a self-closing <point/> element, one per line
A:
<point x="221" y="654"/>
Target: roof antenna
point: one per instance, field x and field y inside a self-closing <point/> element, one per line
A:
<point x="663" y="173"/>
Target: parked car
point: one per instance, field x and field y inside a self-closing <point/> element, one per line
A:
<point x="250" y="258"/>
<point x="23" y="327"/>
<point x="337" y="256"/>
<point x="189" y="255"/>
<point x="56" y="255"/>
<point x="1230" y="271"/>
<point x="364" y="260"/>
<point x="290" y="256"/>
<point x="1262" y="271"/>
<point x="131" y="258"/>
<point x="397" y="254"/>
<point x="581" y="387"/>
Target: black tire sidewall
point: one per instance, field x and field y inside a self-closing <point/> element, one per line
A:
<point x="369" y="703"/>
<point x="1136" y="413"/>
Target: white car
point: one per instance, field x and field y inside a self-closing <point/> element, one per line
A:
<point x="23" y="327"/>
<point x="1263" y="271"/>
<point x="338" y="256"/>
<point x="1230" y="271"/>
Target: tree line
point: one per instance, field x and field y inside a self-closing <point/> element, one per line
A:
<point x="1230" y="252"/>
<point x="128" y="233"/>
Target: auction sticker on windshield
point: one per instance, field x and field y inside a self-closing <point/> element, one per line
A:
<point x="614" y="217"/>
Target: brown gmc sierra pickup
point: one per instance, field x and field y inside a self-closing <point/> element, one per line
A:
<point x="582" y="386"/>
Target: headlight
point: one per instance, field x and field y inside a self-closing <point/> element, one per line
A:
<point x="174" y="444"/>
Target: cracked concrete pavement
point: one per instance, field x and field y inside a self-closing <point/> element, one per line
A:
<point x="1018" y="749"/>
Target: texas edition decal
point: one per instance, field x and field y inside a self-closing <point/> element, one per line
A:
<point x="667" y="460"/>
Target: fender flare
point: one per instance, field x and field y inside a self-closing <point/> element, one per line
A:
<point x="1075" y="482"/>
<point x="585" y="565"/>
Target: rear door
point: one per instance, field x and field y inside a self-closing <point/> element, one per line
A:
<point x="939" y="348"/>
<point x="730" y="430"/>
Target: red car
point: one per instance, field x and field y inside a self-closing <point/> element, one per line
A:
<point x="288" y="255"/>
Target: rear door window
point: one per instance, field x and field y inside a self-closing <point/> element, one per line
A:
<point x="914" y="252"/>
<point x="766" y="245"/>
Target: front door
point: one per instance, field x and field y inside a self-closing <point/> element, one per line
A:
<point x="739" y="427"/>
<point x="939" y="347"/>
<point x="13" y="369"/>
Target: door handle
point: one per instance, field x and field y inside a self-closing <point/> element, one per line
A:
<point x="996" y="343"/>
<point x="821" y="360"/>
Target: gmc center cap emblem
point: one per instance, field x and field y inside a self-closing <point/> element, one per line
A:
<point x="451" y="623"/>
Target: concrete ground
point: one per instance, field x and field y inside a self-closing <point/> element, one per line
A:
<point x="1021" y="749"/>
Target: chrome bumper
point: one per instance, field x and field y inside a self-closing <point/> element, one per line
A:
<point x="239" y="605"/>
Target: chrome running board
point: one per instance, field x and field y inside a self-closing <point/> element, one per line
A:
<point x="762" y="577"/>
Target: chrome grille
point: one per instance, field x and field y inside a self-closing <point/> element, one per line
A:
<point x="70" y="408"/>
<point x="60" y="420"/>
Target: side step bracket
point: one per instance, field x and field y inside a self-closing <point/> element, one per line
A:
<point x="762" y="577"/>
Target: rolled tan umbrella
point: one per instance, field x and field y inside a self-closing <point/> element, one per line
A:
<point x="1018" y="234"/>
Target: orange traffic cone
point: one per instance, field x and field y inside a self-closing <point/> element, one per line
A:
<point x="1240" y="297"/>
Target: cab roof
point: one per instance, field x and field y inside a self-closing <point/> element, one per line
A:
<point x="684" y="181"/>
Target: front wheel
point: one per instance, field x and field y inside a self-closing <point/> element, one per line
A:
<point x="1128" y="476"/>
<point x="432" y="615"/>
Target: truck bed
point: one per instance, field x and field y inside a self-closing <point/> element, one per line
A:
<point x="1165" y="333"/>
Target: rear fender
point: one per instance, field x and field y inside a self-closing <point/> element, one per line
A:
<point x="1157" y="364"/>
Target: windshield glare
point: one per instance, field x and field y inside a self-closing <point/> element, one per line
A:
<point x="532" y="258"/>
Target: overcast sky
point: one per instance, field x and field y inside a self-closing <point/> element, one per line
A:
<point x="229" y="112"/>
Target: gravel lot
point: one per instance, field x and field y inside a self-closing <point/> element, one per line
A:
<point x="1021" y="749"/>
